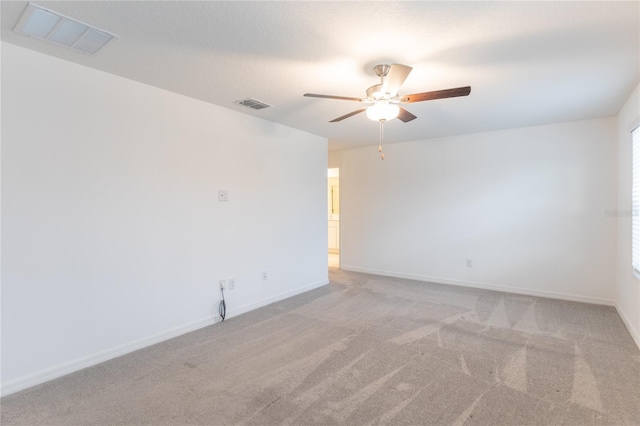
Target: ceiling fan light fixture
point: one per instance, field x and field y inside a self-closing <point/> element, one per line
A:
<point x="383" y="111"/>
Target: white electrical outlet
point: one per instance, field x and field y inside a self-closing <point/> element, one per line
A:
<point x="232" y="283"/>
<point x="469" y="263"/>
<point x="223" y="195"/>
<point x="265" y="277"/>
<point x="223" y="284"/>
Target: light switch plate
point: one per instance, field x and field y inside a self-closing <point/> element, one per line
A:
<point x="223" y="195"/>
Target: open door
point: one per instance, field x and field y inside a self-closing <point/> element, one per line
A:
<point x="333" y="210"/>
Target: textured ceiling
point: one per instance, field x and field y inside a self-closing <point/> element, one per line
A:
<point x="528" y="63"/>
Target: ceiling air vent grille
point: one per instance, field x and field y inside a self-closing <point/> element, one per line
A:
<point x="52" y="27"/>
<point x="253" y="103"/>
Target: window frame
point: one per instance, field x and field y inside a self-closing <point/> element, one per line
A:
<point x="635" y="201"/>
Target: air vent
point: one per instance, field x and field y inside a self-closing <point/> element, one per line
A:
<point x="252" y="103"/>
<point x="52" y="27"/>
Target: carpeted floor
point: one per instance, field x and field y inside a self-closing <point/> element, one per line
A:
<point x="366" y="349"/>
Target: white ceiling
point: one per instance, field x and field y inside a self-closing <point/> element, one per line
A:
<point x="528" y="63"/>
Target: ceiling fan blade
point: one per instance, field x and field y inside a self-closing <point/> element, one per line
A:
<point x="437" y="94"/>
<point x="397" y="75"/>
<point x="405" y="116"/>
<point x="342" y="98"/>
<point x="358" y="111"/>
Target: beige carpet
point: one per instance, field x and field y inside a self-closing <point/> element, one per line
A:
<point x="366" y="350"/>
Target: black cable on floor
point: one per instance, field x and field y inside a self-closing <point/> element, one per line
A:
<point x="222" y="308"/>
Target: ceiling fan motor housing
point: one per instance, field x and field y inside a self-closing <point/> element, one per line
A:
<point x="375" y="92"/>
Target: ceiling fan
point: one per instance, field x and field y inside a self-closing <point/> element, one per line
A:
<point x="384" y="98"/>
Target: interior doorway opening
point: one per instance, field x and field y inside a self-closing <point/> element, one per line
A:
<point x="333" y="213"/>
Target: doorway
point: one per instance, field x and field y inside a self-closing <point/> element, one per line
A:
<point x="333" y="205"/>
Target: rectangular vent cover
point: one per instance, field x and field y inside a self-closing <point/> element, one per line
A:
<point x="52" y="27"/>
<point x="252" y="103"/>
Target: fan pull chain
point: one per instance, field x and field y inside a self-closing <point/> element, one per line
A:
<point x="381" y="137"/>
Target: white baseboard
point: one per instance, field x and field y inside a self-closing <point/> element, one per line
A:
<point x="634" y="333"/>
<point x="485" y="286"/>
<point x="278" y="297"/>
<point x="102" y="356"/>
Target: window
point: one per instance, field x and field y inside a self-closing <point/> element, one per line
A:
<point x="635" y="203"/>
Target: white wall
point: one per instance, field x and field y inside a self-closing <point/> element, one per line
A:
<point x="112" y="235"/>
<point x="628" y="287"/>
<point x="526" y="205"/>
